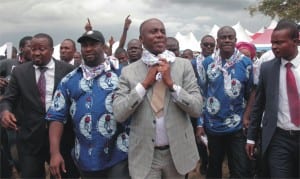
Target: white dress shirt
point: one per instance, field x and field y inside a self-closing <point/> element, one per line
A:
<point x="161" y="138"/>
<point x="49" y="76"/>
<point x="284" y="118"/>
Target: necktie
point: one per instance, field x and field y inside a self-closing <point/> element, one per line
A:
<point x="158" y="98"/>
<point x="42" y="84"/>
<point x="293" y="97"/>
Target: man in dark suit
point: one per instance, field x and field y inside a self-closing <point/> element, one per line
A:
<point x="23" y="90"/>
<point x="281" y="119"/>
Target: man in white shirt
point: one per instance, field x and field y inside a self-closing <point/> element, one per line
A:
<point x="278" y="98"/>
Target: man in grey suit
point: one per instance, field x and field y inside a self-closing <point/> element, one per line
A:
<point x="161" y="141"/>
<point x="23" y="90"/>
<point x="281" y="119"/>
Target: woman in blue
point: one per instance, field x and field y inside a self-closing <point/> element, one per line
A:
<point x="85" y="95"/>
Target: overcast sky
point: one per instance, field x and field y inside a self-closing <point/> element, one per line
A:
<point x="66" y="18"/>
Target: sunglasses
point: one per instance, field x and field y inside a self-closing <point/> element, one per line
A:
<point x="206" y="44"/>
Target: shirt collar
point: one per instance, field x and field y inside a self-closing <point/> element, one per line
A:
<point x="50" y="65"/>
<point x="295" y="61"/>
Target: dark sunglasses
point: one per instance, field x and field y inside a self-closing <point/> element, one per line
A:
<point x="205" y="44"/>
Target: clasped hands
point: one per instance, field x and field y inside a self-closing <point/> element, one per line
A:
<point x="162" y="67"/>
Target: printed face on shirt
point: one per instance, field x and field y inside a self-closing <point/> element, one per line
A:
<point x="67" y="50"/>
<point x="41" y="51"/>
<point x="153" y="36"/>
<point x="283" y="46"/>
<point x="92" y="53"/>
<point x="226" y="39"/>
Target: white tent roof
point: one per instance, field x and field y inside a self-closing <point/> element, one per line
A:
<point x="248" y="32"/>
<point x="188" y="41"/>
<point x="241" y="34"/>
<point x="2" y="49"/>
<point x="56" y="53"/>
<point x="214" y="31"/>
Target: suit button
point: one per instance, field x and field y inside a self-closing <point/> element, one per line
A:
<point x="153" y="140"/>
<point x="154" y="121"/>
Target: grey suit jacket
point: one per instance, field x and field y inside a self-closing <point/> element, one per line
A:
<point x="182" y="143"/>
<point x="266" y="100"/>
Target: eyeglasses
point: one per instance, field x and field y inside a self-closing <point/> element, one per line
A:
<point x="206" y="44"/>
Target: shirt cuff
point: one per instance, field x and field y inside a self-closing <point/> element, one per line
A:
<point x="141" y="91"/>
<point x="176" y="91"/>
<point x="250" y="141"/>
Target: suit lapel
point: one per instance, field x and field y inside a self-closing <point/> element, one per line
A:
<point x="141" y="74"/>
<point x="276" y="70"/>
<point x="32" y="81"/>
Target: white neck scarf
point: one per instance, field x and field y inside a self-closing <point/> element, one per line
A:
<point x="150" y="59"/>
<point x="92" y="72"/>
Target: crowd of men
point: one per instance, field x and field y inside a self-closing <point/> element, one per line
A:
<point x="151" y="110"/>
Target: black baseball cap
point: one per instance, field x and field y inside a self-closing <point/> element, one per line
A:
<point x="92" y="35"/>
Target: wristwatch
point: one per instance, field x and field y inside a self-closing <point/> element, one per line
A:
<point x="174" y="88"/>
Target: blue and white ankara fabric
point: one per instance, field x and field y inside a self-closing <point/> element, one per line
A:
<point x="100" y="141"/>
<point x="225" y="85"/>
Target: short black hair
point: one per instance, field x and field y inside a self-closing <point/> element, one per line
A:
<point x="290" y="25"/>
<point x="43" y="35"/>
<point x="73" y="43"/>
<point x="23" y="41"/>
<point x="206" y="36"/>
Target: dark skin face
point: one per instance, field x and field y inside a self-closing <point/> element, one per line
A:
<point x="283" y="46"/>
<point x="207" y="45"/>
<point x="26" y="50"/>
<point x="92" y="53"/>
<point x="153" y="36"/>
<point x="188" y="54"/>
<point x="67" y="50"/>
<point x="134" y="50"/>
<point x="226" y="42"/>
<point x="173" y="46"/>
<point x="41" y="51"/>
<point x="122" y="57"/>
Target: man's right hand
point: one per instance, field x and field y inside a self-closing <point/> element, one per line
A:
<point x="150" y="78"/>
<point x="3" y="83"/>
<point x="57" y="164"/>
<point x="250" y="151"/>
<point x="8" y="120"/>
<point x="199" y="133"/>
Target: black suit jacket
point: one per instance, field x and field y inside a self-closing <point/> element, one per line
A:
<point x="22" y="90"/>
<point x="266" y="102"/>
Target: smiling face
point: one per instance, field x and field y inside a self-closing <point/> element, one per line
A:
<point x="226" y="41"/>
<point x="153" y="36"/>
<point x="41" y="51"/>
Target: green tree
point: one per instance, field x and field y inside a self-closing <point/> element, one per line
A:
<point x="282" y="9"/>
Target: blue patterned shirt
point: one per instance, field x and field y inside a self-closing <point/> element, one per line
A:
<point x="226" y="88"/>
<point x="100" y="141"/>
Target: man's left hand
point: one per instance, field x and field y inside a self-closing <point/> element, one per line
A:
<point x="164" y="69"/>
